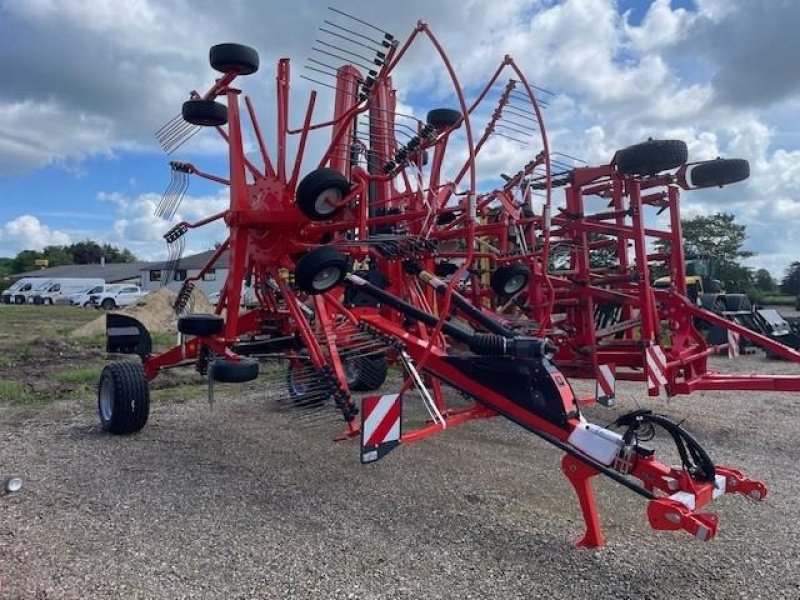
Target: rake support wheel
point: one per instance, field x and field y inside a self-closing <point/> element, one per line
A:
<point x="507" y="281"/>
<point x="366" y="373"/>
<point x="205" y="113"/>
<point x="651" y="157"/>
<point x="320" y="193"/>
<point x="233" y="58"/>
<point x="201" y="324"/>
<point x="320" y="270"/>
<point x="233" y="371"/>
<point x="442" y="118"/>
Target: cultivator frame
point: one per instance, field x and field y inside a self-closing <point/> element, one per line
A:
<point x="371" y="259"/>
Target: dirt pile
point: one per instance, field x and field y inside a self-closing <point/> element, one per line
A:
<point x="154" y="311"/>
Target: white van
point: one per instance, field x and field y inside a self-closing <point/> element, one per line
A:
<point x="60" y="289"/>
<point x="25" y="294"/>
<point x="21" y="286"/>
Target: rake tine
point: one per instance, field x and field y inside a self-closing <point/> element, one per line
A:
<point x="178" y="136"/>
<point x="181" y="138"/>
<point x="168" y="127"/>
<point x="166" y="136"/>
<point x="165" y="197"/>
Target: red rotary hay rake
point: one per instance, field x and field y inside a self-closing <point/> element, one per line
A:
<point x="373" y="257"/>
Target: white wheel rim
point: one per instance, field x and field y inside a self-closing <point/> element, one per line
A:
<point x="326" y="278"/>
<point x="327" y="201"/>
<point x="515" y="284"/>
<point x="299" y="388"/>
<point x="351" y="370"/>
<point x="107" y="399"/>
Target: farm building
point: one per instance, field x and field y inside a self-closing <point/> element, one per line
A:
<point x="109" y="272"/>
<point x="154" y="274"/>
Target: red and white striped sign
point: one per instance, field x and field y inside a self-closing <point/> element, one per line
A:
<point x="606" y="388"/>
<point x="380" y="426"/>
<point x="655" y="366"/>
<point x="733" y="344"/>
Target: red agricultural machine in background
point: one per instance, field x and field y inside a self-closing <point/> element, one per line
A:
<point x="372" y="257"/>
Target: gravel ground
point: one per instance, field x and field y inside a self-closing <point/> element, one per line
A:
<point x="240" y="503"/>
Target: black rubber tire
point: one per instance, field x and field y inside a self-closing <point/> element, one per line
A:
<point x="719" y="172"/>
<point x="302" y="398"/>
<point x="445" y="269"/>
<point x="366" y="373"/>
<point x="233" y="58"/>
<point x="205" y="113"/>
<point x="201" y="324"/>
<point x="503" y="276"/>
<point x="311" y="265"/>
<point x="442" y="118"/>
<point x="126" y="404"/>
<point x="738" y="302"/>
<point x="652" y="156"/>
<point x="314" y="185"/>
<point x="233" y="371"/>
<point x="108" y="304"/>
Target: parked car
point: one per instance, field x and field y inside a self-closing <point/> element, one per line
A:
<point x="20" y="286"/>
<point x="248" y="298"/>
<point x="117" y="296"/>
<point x="60" y="290"/>
<point x="82" y="297"/>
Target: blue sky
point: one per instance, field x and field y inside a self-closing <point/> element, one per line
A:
<point x="87" y="83"/>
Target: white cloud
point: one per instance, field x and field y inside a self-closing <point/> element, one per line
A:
<point x="26" y="232"/>
<point x="86" y="80"/>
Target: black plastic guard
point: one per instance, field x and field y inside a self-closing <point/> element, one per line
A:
<point x="533" y="384"/>
<point x="126" y="335"/>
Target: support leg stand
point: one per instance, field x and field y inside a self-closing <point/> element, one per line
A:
<point x="579" y="475"/>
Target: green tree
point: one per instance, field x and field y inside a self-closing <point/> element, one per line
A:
<point x="790" y="284"/>
<point x="764" y="281"/>
<point x="57" y="255"/>
<point x="89" y="252"/>
<point x="719" y="240"/>
<point x="24" y="261"/>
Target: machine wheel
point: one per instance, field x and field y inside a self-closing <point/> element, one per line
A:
<point x="233" y="58"/>
<point x="507" y="281"/>
<point x="205" y="113"/>
<point x="719" y="172"/>
<point x="366" y="373"/>
<point x="445" y="269"/>
<point x="303" y="390"/>
<point x="108" y="304"/>
<point x="442" y="118"/>
<point x="123" y="397"/>
<point x="201" y="324"/>
<point x="47" y="301"/>
<point x="651" y="157"/>
<point x="320" y="270"/>
<point x="320" y="192"/>
<point x="738" y="302"/>
<point x="233" y="371"/>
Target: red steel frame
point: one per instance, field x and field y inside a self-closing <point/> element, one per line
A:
<point x="268" y="234"/>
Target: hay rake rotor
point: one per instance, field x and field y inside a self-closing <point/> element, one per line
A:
<point x="375" y="257"/>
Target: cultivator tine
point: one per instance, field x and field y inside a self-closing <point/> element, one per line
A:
<point x="173" y="195"/>
<point x="175" y="133"/>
